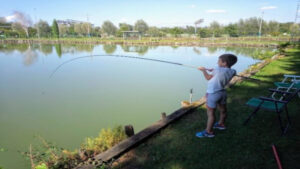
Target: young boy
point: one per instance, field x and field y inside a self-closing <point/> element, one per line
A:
<point x="216" y="94"/>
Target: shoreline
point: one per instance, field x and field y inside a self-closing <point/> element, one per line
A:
<point x="150" y="42"/>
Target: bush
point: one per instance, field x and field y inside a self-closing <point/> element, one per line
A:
<point x="105" y="140"/>
<point x="50" y="156"/>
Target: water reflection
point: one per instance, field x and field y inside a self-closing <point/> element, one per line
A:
<point x="29" y="51"/>
<point x="58" y="50"/>
<point x="212" y="50"/>
<point x="197" y="50"/>
<point x="109" y="49"/>
<point x="141" y="50"/>
<point x="30" y="56"/>
<point x="46" y="49"/>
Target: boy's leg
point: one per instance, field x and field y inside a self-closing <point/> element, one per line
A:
<point x="210" y="119"/>
<point x="223" y="113"/>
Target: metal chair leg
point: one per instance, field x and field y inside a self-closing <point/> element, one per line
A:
<point x="253" y="113"/>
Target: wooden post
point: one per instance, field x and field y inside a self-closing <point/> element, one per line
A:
<point x="163" y="116"/>
<point x="191" y="95"/>
<point x="129" y="131"/>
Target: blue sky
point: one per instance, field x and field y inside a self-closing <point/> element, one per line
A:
<point x="155" y="12"/>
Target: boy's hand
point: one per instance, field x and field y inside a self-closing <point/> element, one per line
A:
<point x="210" y="70"/>
<point x="201" y="68"/>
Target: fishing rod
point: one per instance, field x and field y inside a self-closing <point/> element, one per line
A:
<point x="141" y="58"/>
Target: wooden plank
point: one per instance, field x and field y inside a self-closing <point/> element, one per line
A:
<point x="130" y="142"/>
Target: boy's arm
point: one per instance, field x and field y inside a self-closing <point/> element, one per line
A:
<point x="206" y="75"/>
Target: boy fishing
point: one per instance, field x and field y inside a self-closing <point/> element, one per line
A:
<point x="216" y="95"/>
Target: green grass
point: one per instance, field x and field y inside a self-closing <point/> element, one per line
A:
<point x="164" y="40"/>
<point x="238" y="147"/>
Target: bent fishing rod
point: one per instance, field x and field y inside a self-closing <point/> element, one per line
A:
<point x="141" y="58"/>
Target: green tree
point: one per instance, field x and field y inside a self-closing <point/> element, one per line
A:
<point x="176" y="31"/>
<point x="96" y="31"/>
<point x="124" y="27"/>
<point x="55" y="30"/>
<point x="17" y="27"/>
<point x="285" y="27"/>
<point x="43" y="29"/>
<point x="71" y="30"/>
<point x="251" y="26"/>
<point x="294" y="29"/>
<point x="231" y="30"/>
<point x="154" y="32"/>
<point x="63" y="30"/>
<point x="83" y="29"/>
<point x="189" y="29"/>
<point x="216" y="29"/>
<point x="32" y="31"/>
<point x="141" y="26"/>
<point x="273" y="28"/>
<point x="205" y="32"/>
<point x="109" y="28"/>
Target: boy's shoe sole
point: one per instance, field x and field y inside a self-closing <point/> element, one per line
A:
<point x="219" y="127"/>
<point x="204" y="134"/>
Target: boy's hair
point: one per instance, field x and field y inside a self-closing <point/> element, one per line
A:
<point x="230" y="59"/>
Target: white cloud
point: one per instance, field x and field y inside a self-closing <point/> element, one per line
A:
<point x="10" y="18"/>
<point x="216" y="11"/>
<point x="268" y="7"/>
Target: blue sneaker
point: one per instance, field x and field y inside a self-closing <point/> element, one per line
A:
<point x="218" y="126"/>
<point x="204" y="133"/>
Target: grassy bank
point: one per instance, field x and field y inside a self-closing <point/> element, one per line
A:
<point x="230" y="41"/>
<point x="238" y="147"/>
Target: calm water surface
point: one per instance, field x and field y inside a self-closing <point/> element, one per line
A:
<point x="45" y="91"/>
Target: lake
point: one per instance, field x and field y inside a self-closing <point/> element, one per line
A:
<point x="65" y="94"/>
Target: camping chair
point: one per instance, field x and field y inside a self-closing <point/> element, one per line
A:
<point x="290" y="82"/>
<point x="272" y="104"/>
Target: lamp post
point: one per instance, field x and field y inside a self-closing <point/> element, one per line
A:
<point x="261" y="19"/>
<point x="197" y="23"/>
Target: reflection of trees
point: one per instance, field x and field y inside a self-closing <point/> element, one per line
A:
<point x="251" y="52"/>
<point x="125" y="48"/>
<point x="72" y="48"/>
<point x="27" y="50"/>
<point x="109" y="49"/>
<point x="30" y="56"/>
<point x="153" y="47"/>
<point x="197" y="50"/>
<point x="212" y="50"/>
<point x="7" y="48"/>
<point x="35" y="46"/>
<point x="84" y="48"/>
<point x="46" y="49"/>
<point x="14" y="47"/>
<point x="58" y="50"/>
<point x="175" y="47"/>
<point x="141" y="50"/>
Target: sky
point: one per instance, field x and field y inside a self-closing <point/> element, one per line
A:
<point x="158" y="13"/>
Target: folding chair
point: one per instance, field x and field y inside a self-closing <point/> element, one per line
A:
<point x="289" y="82"/>
<point x="271" y="104"/>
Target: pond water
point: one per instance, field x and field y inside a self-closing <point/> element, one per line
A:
<point x="46" y="90"/>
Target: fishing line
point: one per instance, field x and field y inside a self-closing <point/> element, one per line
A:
<point x="136" y="57"/>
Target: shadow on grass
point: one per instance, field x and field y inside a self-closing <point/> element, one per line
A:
<point x="242" y="147"/>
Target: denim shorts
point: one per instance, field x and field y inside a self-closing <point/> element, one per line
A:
<point x="212" y="99"/>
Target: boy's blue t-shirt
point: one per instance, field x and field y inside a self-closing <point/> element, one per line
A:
<point x="221" y="77"/>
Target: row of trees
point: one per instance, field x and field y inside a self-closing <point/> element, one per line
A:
<point x="244" y="27"/>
